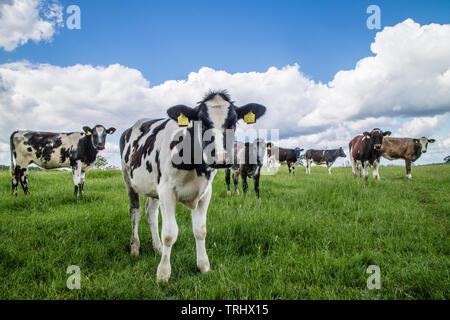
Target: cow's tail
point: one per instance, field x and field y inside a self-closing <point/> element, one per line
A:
<point x="12" y="149"/>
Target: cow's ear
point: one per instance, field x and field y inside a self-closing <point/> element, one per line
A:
<point x="87" y="130"/>
<point x="250" y="112"/>
<point x="387" y="133"/>
<point x="111" y="130"/>
<point x="431" y="140"/>
<point x="182" y="114"/>
<point x="416" y="141"/>
<point x="366" y="135"/>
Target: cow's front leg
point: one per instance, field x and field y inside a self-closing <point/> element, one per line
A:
<point x="228" y="180"/>
<point x="168" y="201"/>
<point x="329" y="168"/>
<point x="364" y="169"/>
<point x="151" y="211"/>
<point x="408" y="169"/>
<point x="289" y="167"/>
<point x="82" y="176"/>
<point x="76" y="172"/>
<point x="256" y="183"/>
<point x="375" y="173"/>
<point x="199" y="229"/>
<point x="244" y="182"/>
<point x="293" y="168"/>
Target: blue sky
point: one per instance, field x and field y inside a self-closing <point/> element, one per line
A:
<point x="169" y="39"/>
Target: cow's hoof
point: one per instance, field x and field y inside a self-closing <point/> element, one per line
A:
<point x="237" y="191"/>
<point x="229" y="192"/>
<point x="409" y="176"/>
<point x="163" y="273"/>
<point x="204" y="266"/>
<point x="134" y="249"/>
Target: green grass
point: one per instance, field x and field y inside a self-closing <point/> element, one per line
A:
<point x="311" y="237"/>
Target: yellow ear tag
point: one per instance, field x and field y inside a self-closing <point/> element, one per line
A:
<point x="183" y="121"/>
<point x="111" y="131"/>
<point x="249" y="118"/>
<point x="417" y="142"/>
<point x="368" y="137"/>
<point x="268" y="148"/>
<point x="88" y="133"/>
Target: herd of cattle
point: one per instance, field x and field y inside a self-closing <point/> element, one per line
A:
<point x="157" y="163"/>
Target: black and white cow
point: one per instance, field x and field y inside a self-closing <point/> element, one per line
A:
<point x="247" y="162"/>
<point x="51" y="150"/>
<point x="290" y="156"/>
<point x="168" y="164"/>
<point x="319" y="157"/>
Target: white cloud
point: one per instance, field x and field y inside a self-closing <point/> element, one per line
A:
<point x="404" y="88"/>
<point x="24" y="20"/>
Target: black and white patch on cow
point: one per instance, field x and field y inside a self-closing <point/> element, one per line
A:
<point x="247" y="162"/>
<point x="175" y="160"/>
<point x="319" y="157"/>
<point x="51" y="150"/>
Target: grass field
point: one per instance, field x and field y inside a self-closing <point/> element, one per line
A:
<point x="311" y="237"/>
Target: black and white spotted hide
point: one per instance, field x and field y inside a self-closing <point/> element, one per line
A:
<point x="51" y="150"/>
<point x="168" y="164"/>
<point x="248" y="160"/>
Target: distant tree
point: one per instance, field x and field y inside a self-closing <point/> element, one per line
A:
<point x="100" y="163"/>
<point x="447" y="159"/>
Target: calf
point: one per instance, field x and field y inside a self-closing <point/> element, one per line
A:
<point x="157" y="162"/>
<point x="49" y="150"/>
<point x="247" y="162"/>
<point x="290" y="156"/>
<point x="365" y="150"/>
<point x="327" y="157"/>
<point x="407" y="149"/>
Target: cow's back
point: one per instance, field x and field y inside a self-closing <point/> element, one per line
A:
<point x="46" y="149"/>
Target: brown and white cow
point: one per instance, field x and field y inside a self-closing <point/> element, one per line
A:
<point x="51" y="150"/>
<point x="408" y="149"/>
<point x="175" y="160"/>
<point x="365" y="150"/>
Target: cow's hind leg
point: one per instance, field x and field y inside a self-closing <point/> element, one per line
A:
<point x="135" y="217"/>
<point x="24" y="179"/>
<point x="199" y="229"/>
<point x="168" y="201"/>
<point x="236" y="181"/>
<point x="15" y="180"/>
<point x="151" y="212"/>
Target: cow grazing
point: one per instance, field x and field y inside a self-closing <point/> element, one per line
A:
<point x="49" y="150"/>
<point x="319" y="157"/>
<point x="157" y="162"/>
<point x="407" y="149"/>
<point x="365" y="150"/>
<point x="247" y="162"/>
<point x="290" y="156"/>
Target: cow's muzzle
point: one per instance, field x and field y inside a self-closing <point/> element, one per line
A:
<point x="377" y="147"/>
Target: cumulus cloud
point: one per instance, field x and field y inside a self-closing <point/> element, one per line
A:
<point x="404" y="88"/>
<point x="24" y="20"/>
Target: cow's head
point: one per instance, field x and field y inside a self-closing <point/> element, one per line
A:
<point x="423" y="143"/>
<point x="375" y="138"/>
<point x="341" y="153"/>
<point x="298" y="151"/>
<point x="97" y="135"/>
<point x="217" y="115"/>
